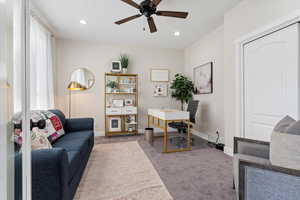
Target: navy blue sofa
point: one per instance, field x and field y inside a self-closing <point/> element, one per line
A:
<point x="56" y="173"/>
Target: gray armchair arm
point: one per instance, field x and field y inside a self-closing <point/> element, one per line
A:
<point x="251" y="147"/>
<point x="259" y="179"/>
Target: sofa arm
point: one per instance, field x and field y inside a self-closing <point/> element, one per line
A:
<point x="259" y="179"/>
<point x="251" y="147"/>
<point x="80" y="124"/>
<point x="49" y="174"/>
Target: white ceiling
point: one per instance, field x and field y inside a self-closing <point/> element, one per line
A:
<point x="64" y="17"/>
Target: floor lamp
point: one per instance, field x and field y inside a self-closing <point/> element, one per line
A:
<point x="73" y="86"/>
<point x="81" y="79"/>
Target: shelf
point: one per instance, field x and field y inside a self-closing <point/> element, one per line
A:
<point x="121" y="132"/>
<point x="122" y="93"/>
<point x="115" y="74"/>
<point x="126" y="83"/>
<point x="120" y="115"/>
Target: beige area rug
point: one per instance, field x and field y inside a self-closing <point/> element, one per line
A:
<point x="121" y="171"/>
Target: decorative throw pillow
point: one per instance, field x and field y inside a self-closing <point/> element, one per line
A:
<point x="38" y="140"/>
<point x="54" y="127"/>
<point x="53" y="130"/>
<point x="285" y="143"/>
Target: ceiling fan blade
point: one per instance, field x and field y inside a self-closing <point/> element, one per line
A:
<point x="156" y="2"/>
<point x="172" y="14"/>
<point x="127" y="19"/>
<point x="152" y="25"/>
<point x="132" y="3"/>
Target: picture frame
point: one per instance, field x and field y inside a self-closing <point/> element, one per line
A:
<point x="116" y="67"/>
<point x="159" y="75"/>
<point x="128" y="102"/>
<point x="115" y="124"/>
<point x="160" y="90"/>
<point x="118" y="103"/>
<point x="203" y="78"/>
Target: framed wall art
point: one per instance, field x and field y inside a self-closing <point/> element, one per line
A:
<point x="159" y="75"/>
<point x="115" y="124"/>
<point x="203" y="79"/>
<point x="160" y="90"/>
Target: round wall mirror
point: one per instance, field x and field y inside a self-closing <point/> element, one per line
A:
<point x="81" y="79"/>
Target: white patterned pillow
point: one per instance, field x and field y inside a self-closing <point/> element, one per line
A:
<point x="39" y="140"/>
<point x="285" y="143"/>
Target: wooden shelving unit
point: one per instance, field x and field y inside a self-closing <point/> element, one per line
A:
<point x="124" y="82"/>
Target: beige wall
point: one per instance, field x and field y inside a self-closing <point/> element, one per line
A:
<point x="246" y="17"/>
<point x="210" y="117"/>
<point x="97" y="57"/>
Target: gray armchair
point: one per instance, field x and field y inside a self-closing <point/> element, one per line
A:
<point x="255" y="178"/>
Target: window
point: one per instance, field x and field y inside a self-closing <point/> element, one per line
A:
<point x="41" y="69"/>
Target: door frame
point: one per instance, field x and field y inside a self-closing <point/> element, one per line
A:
<point x="239" y="70"/>
<point x="25" y="56"/>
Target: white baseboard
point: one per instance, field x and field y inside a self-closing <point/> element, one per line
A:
<point x="228" y="151"/>
<point x="199" y="134"/>
<point x="99" y="133"/>
<point x="141" y="131"/>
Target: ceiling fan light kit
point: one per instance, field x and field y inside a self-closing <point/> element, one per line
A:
<point x="148" y="8"/>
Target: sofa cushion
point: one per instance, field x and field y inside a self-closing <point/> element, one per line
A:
<point x="236" y="163"/>
<point x="284" y="146"/>
<point x="77" y="145"/>
<point x="74" y="141"/>
<point x="75" y="160"/>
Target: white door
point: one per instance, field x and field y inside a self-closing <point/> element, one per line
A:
<point x="271" y="87"/>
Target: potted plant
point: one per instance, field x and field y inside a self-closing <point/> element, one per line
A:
<point x="182" y="89"/>
<point x="124" y="59"/>
<point x="112" y="85"/>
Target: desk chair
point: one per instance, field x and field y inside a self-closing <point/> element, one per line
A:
<point x="182" y="127"/>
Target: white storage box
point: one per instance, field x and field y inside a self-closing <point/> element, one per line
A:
<point x="129" y="110"/>
<point x="114" y="111"/>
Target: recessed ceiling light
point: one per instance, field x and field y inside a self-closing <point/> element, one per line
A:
<point x="83" y="22"/>
<point x="177" y="33"/>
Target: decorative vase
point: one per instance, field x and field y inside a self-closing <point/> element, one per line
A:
<point x="124" y="70"/>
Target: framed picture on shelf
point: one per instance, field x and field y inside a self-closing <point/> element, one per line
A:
<point x="118" y="103"/>
<point x="116" y="67"/>
<point x="159" y="75"/>
<point x="203" y="79"/>
<point x="128" y="102"/>
<point x="115" y="124"/>
<point x="160" y="90"/>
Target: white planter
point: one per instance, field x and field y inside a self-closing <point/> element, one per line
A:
<point x="124" y="70"/>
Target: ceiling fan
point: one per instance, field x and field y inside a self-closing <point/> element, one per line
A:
<point x="149" y="8"/>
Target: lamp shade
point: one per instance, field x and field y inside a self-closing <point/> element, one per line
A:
<point x="75" y="86"/>
<point x="81" y="79"/>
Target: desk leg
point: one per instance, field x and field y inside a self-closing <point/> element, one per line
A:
<point x="165" y="136"/>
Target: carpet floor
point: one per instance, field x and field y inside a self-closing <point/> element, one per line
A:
<point x="201" y="174"/>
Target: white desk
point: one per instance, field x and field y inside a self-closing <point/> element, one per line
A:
<point x="162" y="117"/>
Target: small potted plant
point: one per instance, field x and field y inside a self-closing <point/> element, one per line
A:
<point x="124" y="59"/>
<point x="182" y="89"/>
<point x="112" y="86"/>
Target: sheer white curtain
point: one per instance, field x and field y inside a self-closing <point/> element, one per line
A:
<point x="41" y="67"/>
